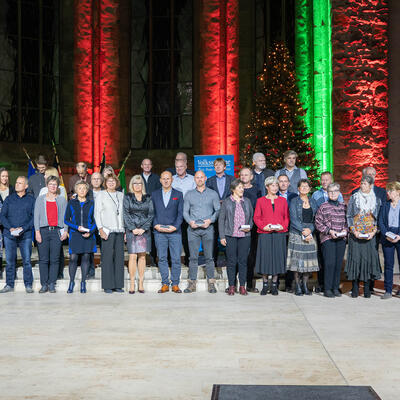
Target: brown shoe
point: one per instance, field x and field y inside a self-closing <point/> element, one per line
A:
<point x="176" y="289"/>
<point x="164" y="289"/>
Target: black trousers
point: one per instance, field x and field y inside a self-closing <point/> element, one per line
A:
<point x="251" y="258"/>
<point x="185" y="243"/>
<point x="333" y="254"/>
<point x="112" y="261"/>
<point x="49" y="255"/>
<point x="321" y="263"/>
<point x="237" y="250"/>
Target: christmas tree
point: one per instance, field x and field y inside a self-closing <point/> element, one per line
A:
<point x="277" y="124"/>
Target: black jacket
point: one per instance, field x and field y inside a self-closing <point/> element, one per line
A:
<point x="138" y="214"/>
<point x="226" y="217"/>
<point x="152" y="184"/>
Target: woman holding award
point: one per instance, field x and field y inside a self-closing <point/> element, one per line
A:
<point x="272" y="219"/>
<point x="302" y="249"/>
<point x="362" y="258"/>
<point x="235" y="222"/>
<point x="389" y="225"/>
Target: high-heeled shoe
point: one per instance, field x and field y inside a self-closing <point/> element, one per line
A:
<point x="71" y="287"/>
<point x="83" y="287"/>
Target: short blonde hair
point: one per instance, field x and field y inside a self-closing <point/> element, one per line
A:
<point x="137" y="179"/>
<point x="393" y="186"/>
<point x="270" y="180"/>
<point x="52" y="171"/>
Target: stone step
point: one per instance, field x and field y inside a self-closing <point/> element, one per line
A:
<point x="94" y="285"/>
<point x="150" y="273"/>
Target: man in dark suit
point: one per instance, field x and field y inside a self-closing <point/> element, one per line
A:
<point x="168" y="216"/>
<point x="379" y="193"/>
<point x="37" y="181"/>
<point x="221" y="183"/>
<point x="151" y="180"/>
<point x="260" y="172"/>
<point x="284" y="184"/>
<point x="151" y="183"/>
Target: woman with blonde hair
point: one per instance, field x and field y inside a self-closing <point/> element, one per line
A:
<point x="138" y="216"/>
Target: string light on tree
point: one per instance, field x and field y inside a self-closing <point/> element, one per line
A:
<point x="277" y="124"/>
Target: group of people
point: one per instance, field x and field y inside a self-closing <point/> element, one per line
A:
<point x="266" y="220"/>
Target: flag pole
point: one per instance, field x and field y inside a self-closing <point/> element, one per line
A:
<point x="123" y="164"/>
<point x="58" y="163"/>
<point x="28" y="157"/>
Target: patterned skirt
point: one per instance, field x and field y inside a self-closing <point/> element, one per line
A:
<point x="302" y="255"/>
<point x="138" y="244"/>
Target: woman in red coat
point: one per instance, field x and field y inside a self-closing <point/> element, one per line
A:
<point x="272" y="219"/>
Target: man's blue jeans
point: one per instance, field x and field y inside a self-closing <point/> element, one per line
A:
<point x="173" y="242"/>
<point x="25" y="247"/>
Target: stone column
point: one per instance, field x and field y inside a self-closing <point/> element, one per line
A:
<point x="360" y="89"/>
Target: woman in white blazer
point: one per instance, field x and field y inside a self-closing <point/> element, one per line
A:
<point x="108" y="214"/>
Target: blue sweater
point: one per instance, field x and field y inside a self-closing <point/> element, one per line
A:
<point x="18" y="212"/>
<point x="170" y="215"/>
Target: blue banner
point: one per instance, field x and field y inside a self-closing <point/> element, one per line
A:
<point x="206" y="164"/>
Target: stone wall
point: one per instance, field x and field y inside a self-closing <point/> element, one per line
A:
<point x="360" y="89"/>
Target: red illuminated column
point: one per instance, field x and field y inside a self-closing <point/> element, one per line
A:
<point x="109" y="84"/>
<point x="219" y="77"/>
<point x="83" y="96"/>
<point x="96" y="84"/>
<point x="360" y="89"/>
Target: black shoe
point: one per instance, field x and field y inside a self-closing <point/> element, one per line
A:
<point x="298" y="291"/>
<point x="264" y="290"/>
<point x="60" y="276"/>
<point x="329" y="293"/>
<point x="367" y="290"/>
<point x="355" y="289"/>
<point x="337" y="293"/>
<point x="52" y="288"/>
<point x="318" y="289"/>
<point x="252" y="289"/>
<point x="119" y="290"/>
<point x="274" y="290"/>
<point x="44" y="289"/>
<point x="289" y="289"/>
<point x="305" y="289"/>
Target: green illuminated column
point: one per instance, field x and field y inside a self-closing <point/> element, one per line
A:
<point x="323" y="138"/>
<point x="314" y="72"/>
<point x="304" y="59"/>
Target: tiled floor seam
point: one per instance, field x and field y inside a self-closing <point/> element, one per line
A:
<point x="320" y="340"/>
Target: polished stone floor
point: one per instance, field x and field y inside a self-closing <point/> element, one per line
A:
<point x="176" y="346"/>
